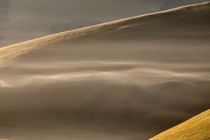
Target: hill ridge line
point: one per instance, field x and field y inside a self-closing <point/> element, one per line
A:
<point x="90" y="29"/>
<point x="10" y="52"/>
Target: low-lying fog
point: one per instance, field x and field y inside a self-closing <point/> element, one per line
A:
<point x="104" y="91"/>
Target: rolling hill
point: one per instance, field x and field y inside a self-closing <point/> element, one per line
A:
<point x="127" y="79"/>
<point x="187" y="22"/>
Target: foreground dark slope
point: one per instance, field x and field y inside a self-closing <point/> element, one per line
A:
<point x="128" y="79"/>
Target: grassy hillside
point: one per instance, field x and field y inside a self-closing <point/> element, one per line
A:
<point x="197" y="128"/>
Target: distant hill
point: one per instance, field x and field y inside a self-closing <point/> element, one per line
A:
<point x="184" y="23"/>
<point x="197" y="128"/>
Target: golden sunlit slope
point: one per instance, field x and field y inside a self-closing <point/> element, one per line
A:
<point x="169" y="23"/>
<point x="197" y="128"/>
